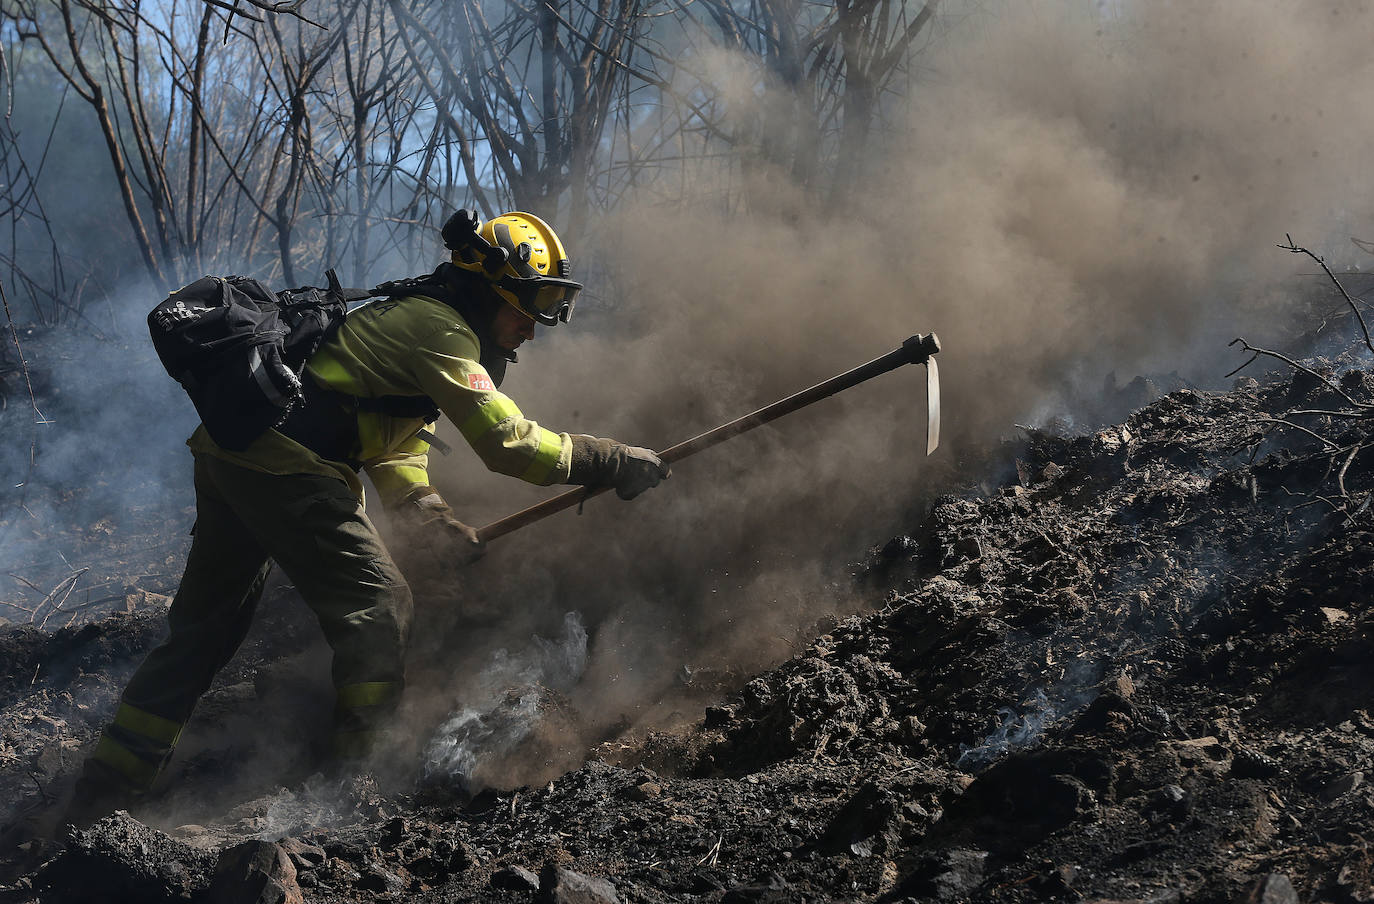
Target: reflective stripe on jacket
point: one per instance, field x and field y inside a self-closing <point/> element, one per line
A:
<point x="412" y="346"/>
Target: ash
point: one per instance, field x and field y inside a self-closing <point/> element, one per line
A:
<point x="1130" y="664"/>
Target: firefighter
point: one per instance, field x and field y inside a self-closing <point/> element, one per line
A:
<point x="372" y="390"/>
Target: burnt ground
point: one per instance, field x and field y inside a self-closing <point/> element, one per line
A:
<point x="1128" y="665"/>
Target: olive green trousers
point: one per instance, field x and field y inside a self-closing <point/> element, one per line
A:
<point x="315" y="529"/>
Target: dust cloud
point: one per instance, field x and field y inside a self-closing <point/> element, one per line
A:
<point x="1068" y="189"/>
<point x="1072" y="189"/>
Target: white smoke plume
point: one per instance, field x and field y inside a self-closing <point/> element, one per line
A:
<point x="503" y="708"/>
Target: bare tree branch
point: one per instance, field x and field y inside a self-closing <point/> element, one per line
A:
<point x="1294" y="249"/>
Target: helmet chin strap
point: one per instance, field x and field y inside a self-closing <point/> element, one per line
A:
<point x="478" y="304"/>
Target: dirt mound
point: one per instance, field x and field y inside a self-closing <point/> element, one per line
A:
<point x="1130" y="665"/>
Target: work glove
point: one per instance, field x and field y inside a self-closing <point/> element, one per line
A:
<point x="428" y="522"/>
<point x="604" y="462"/>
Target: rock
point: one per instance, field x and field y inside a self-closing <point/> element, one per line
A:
<point x="303" y="854"/>
<point x="1344" y="785"/>
<point x="646" y="791"/>
<point x="444" y="857"/>
<point x="254" y="872"/>
<point x="1272" y="889"/>
<point x="336" y="870"/>
<point x="1111" y="711"/>
<point x="1034" y="802"/>
<point x="1111" y="441"/>
<point x="946" y="875"/>
<point x="375" y="878"/>
<point x="1170" y="802"/>
<point x="515" y="878"/>
<point x="120" y="859"/>
<point x="568" y="887"/>
<point x="1334" y="616"/>
<point x="1123" y="685"/>
<point x="196" y="836"/>
<point x="912" y="728"/>
<point x="394" y="831"/>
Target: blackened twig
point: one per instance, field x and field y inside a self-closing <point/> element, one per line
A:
<point x="69" y="583"/>
<point x="1329" y="446"/>
<point x="1340" y="478"/>
<point x="1296" y="366"/>
<point x="27" y="583"/>
<point x="1243" y="366"/>
<point x="23" y="364"/>
<point x="1334" y="506"/>
<point x="1350" y="518"/>
<point x="1324" y="412"/>
<point x="1294" y="249"/>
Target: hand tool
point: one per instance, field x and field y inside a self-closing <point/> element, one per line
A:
<point x="919" y="349"/>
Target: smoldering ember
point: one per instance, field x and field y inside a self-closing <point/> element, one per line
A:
<point x="960" y="548"/>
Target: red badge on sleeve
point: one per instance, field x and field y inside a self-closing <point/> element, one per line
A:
<point x="481" y="383"/>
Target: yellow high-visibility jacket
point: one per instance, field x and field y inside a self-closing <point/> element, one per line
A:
<point x="410" y="347"/>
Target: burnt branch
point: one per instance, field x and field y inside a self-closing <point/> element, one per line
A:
<point x="23" y="364"/>
<point x="1296" y="366"/>
<point x="1280" y="422"/>
<point x="1340" y="477"/>
<point x="290" y="8"/>
<point x="1295" y="249"/>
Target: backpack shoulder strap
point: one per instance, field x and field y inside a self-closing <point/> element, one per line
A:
<point x="348" y="295"/>
<point x="427" y="283"/>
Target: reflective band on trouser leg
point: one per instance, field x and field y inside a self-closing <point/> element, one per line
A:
<point x="138" y="771"/>
<point x="358" y="712"/>
<point x="137" y="743"/>
<point x="410" y="476"/>
<point x="145" y="724"/>
<point x="491" y="413"/>
<point x="546" y="459"/>
<point x="368" y="693"/>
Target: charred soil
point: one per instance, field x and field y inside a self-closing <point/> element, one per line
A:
<point x="1135" y="667"/>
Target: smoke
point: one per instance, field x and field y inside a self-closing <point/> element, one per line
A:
<point x="1016" y="729"/>
<point x="106" y="471"/>
<point x="1067" y="189"/>
<point x="1070" y="189"/>
<point x="504" y="706"/>
<point x="1024" y="725"/>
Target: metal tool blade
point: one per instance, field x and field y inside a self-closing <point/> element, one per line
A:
<point x="932" y="405"/>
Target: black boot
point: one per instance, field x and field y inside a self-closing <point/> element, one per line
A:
<point x="99" y="792"/>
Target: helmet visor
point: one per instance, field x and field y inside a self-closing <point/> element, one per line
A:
<point x="547" y="299"/>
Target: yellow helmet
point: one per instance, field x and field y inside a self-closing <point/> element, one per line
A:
<point x="522" y="258"/>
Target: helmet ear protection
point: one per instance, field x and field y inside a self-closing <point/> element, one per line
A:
<point x="461" y="232"/>
<point x="521" y="257"/>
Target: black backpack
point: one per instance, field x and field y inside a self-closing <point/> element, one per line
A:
<point x="238" y="349"/>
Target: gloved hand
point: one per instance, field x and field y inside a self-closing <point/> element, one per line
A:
<point x="432" y="526"/>
<point x="604" y="462"/>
